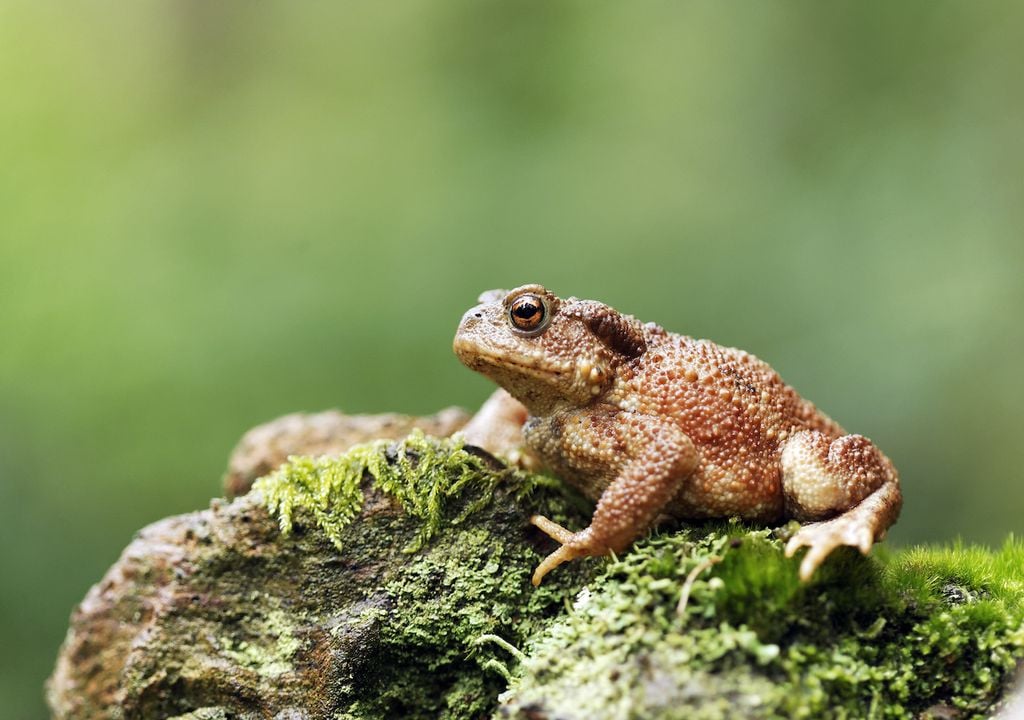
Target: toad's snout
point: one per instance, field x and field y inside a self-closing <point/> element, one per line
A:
<point x="465" y="342"/>
<point x="469" y="326"/>
<point x="470" y="318"/>
<point x="480" y="336"/>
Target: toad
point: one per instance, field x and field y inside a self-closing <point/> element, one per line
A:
<point x="652" y="425"/>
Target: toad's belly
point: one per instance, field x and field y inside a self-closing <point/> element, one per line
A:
<point x="750" y="491"/>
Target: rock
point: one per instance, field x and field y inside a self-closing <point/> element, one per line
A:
<point x="218" y="614"/>
<point x="393" y="581"/>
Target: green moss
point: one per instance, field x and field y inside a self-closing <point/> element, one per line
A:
<point x="424" y="474"/>
<point x="867" y="638"/>
<point x="432" y="663"/>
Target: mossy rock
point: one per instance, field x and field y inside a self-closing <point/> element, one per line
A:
<point x="919" y="633"/>
<point x="400" y="588"/>
<point x="219" y="613"/>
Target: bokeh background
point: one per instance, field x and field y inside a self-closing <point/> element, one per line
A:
<point x="212" y="214"/>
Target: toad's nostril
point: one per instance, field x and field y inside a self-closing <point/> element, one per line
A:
<point x="478" y="315"/>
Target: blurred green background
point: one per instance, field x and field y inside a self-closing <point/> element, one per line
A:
<point x="212" y="214"/>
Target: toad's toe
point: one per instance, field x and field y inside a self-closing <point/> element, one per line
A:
<point x="821" y="538"/>
<point x="574" y="545"/>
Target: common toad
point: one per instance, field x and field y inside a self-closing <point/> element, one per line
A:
<point x="650" y="424"/>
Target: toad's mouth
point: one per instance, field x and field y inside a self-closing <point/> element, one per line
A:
<point x="497" y="365"/>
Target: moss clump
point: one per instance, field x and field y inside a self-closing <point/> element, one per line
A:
<point x="424" y="474"/>
<point x="922" y="629"/>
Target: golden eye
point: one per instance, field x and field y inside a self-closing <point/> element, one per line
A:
<point x="528" y="313"/>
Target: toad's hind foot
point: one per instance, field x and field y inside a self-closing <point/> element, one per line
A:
<point x="847" y="478"/>
<point x="821" y="538"/>
<point x="574" y="545"/>
<point x="551" y="528"/>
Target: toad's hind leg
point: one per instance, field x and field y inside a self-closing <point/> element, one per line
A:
<point x="845" y="483"/>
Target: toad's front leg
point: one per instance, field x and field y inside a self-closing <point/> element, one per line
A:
<point x="640" y="460"/>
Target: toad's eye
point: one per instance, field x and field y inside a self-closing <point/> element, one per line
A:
<point x="528" y="313"/>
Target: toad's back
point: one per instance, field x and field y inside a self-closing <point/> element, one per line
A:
<point x="737" y="410"/>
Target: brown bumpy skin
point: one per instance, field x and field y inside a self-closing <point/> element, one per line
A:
<point x="650" y="423"/>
